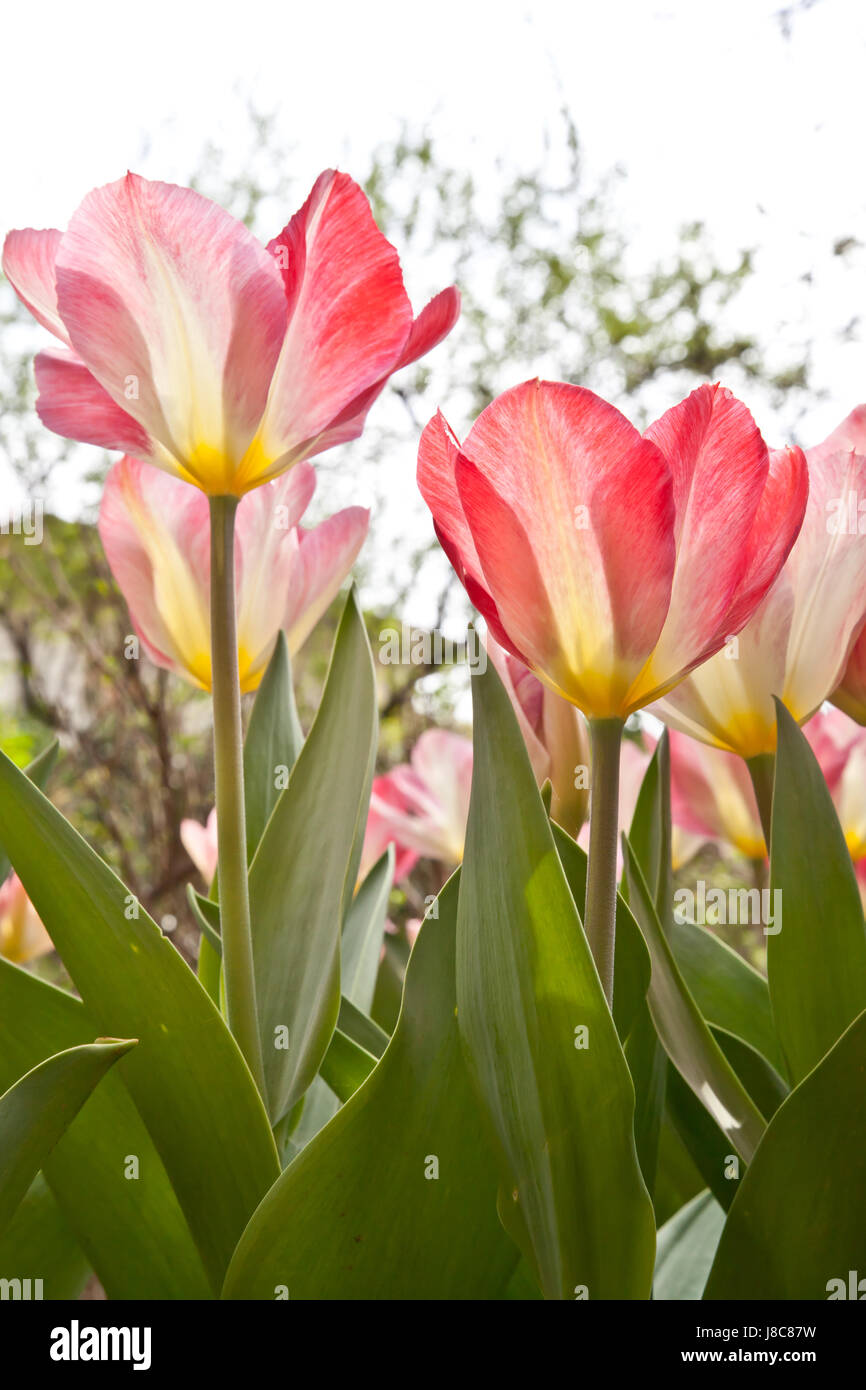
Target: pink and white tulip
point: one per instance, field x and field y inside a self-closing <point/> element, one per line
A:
<point x="423" y="805"/>
<point x="187" y="343"/>
<point x="610" y="563"/>
<point x="712" y="797"/>
<point x="155" y="530"/>
<point x="797" y="644"/>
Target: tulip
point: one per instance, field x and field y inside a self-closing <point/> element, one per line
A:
<point x="839" y="744"/>
<point x="189" y="344"/>
<point x="200" y="843"/>
<point x="555" y="734"/>
<point x="379" y="832"/>
<point x="610" y="563"/>
<point x="22" y="935"/>
<point x="712" y="797"/>
<point x="423" y="805"/>
<point x="797" y="644"/>
<point x="154" y="530"/>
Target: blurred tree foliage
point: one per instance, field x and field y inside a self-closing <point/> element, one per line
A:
<point x="551" y="286"/>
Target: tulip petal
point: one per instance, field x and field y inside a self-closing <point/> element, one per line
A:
<point x="350" y="318"/>
<point x="179" y="313"/>
<point x="326" y="554"/>
<point x="720" y="465"/>
<point x="29" y="265"/>
<point x="155" y="532"/>
<point x="73" y="404"/>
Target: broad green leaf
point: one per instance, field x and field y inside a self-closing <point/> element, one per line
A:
<point x="361" y="1029"/>
<point x="683" y="1032"/>
<point x="363" y="931"/>
<point x="38" y="1109"/>
<point x="187" y="1077"/>
<point x="345" y="1065"/>
<point x="798" y="1220"/>
<point x="686" y="1246"/>
<point x="207" y="917"/>
<point x="540" y="1040"/>
<point x="273" y="741"/>
<point x="677" y="1178"/>
<point x="728" y="991"/>
<point x="38" y="771"/>
<point x="39" y="1244"/>
<point x="300" y="875"/>
<point x="631" y="960"/>
<point x="817" y="962"/>
<point x="359" y="1214"/>
<point x="650" y="834"/>
<point x="127" y="1218"/>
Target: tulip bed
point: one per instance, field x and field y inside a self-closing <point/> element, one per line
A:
<point x="588" y="1094"/>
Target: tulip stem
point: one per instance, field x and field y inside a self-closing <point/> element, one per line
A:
<point x="762" y="770"/>
<point x="237" y="946"/>
<point x="600" y="914"/>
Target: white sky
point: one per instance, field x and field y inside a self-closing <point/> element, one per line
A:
<point x="713" y="114"/>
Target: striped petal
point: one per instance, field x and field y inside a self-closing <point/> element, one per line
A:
<point x="179" y="313"/>
<point x="29" y="265"/>
<point x="349" y="319"/>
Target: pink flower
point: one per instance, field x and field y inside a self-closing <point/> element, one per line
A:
<point x="712" y="796"/>
<point x="608" y="562"/>
<point x="555" y="734"/>
<point x="797" y="643"/>
<point x="379" y="832"/>
<point x="22" y="935"/>
<point x="840" y="747"/>
<point x="200" y="843"/>
<point x="423" y="805"/>
<point x="189" y="344"/>
<point x="156" y="534"/>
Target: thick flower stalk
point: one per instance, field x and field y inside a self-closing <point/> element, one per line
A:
<point x="155" y="529"/>
<point x="189" y="344"/>
<point x="586" y="547"/>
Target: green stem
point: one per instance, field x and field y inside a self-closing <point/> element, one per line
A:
<point x="238" y="971"/>
<point x="600" y="915"/>
<point x="762" y="770"/>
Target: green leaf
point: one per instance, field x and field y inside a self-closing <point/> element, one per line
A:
<point x="132" y="1230"/>
<point x="38" y="771"/>
<point x="355" y="1216"/>
<point x="38" y="1243"/>
<point x="187" y="1077"/>
<point x="728" y="991"/>
<point x="529" y="997"/>
<point x="684" y="1034"/>
<point x="686" y="1246"/>
<point x="363" y="931"/>
<point x="207" y="916"/>
<point x="38" y="1109"/>
<point x="300" y="878"/>
<point x="345" y="1065"/>
<point x="798" y="1220"/>
<point x="361" y="1029"/>
<point x="631" y="958"/>
<point x="274" y="740"/>
<point x="817" y="962"/>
